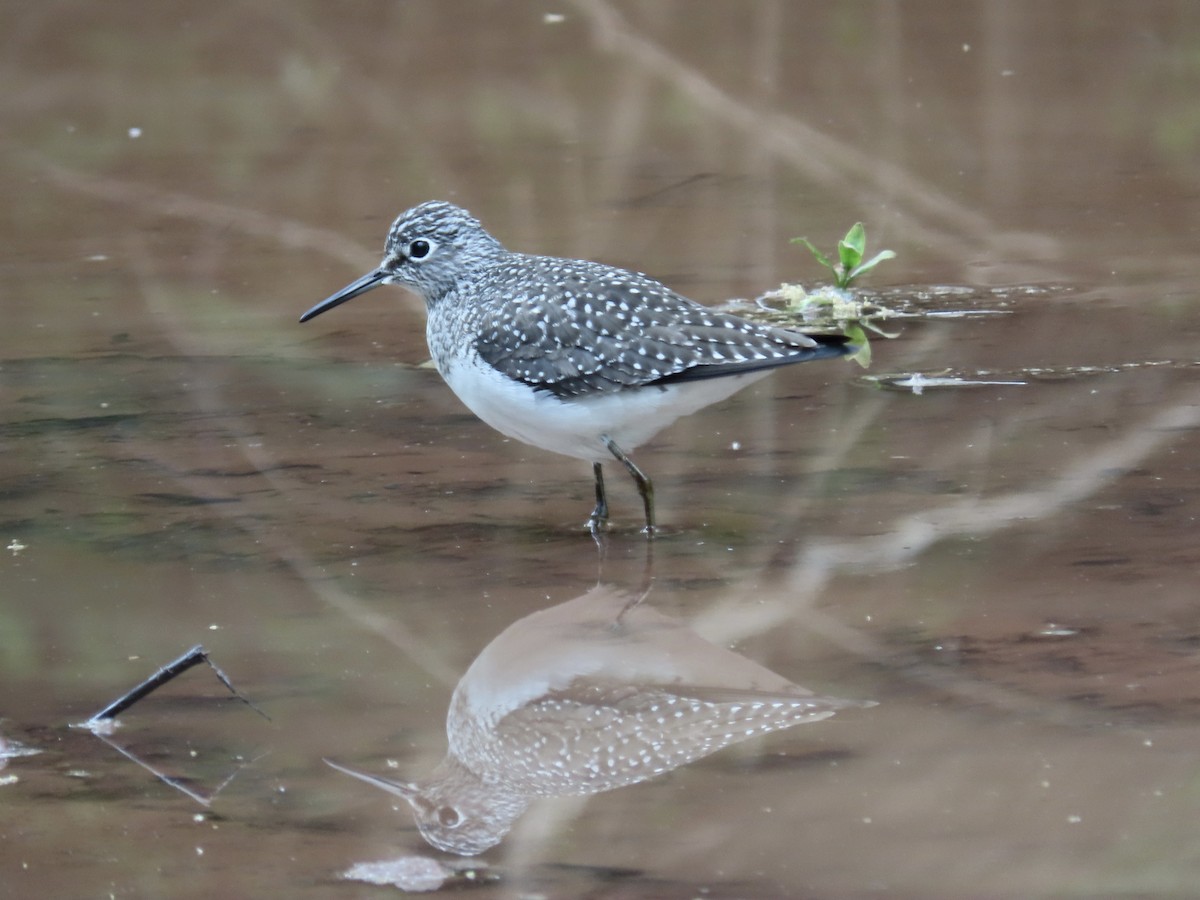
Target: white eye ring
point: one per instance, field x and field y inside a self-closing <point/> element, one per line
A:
<point x="420" y="248"/>
<point x="449" y="816"/>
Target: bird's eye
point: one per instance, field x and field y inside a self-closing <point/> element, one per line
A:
<point x="448" y="816"/>
<point x="419" y="249"/>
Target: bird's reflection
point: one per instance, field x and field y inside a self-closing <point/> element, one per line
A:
<point x="594" y="694"/>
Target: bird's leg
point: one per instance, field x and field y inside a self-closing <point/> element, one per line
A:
<point x="599" y="516"/>
<point x="645" y="487"/>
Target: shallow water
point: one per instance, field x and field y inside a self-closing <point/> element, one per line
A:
<point x="1009" y="569"/>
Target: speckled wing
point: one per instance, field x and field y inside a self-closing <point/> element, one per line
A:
<point x="576" y="328"/>
<point x="596" y="736"/>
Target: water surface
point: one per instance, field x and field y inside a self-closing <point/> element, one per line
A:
<point x="1008" y="569"/>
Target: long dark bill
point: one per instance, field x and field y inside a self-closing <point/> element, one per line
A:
<point x="349" y="292"/>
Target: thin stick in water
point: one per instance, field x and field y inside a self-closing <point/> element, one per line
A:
<point x="169" y="672"/>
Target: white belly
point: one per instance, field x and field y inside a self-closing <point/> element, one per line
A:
<point x="573" y="427"/>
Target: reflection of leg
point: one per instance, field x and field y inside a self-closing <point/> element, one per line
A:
<point x="645" y="487"/>
<point x="599" y="515"/>
<point x="647" y="582"/>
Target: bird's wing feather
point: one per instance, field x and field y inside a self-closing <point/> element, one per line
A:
<point x="593" y="329"/>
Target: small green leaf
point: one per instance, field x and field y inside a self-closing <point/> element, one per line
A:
<point x="858" y="337"/>
<point x="821" y="257"/>
<point x="879" y="331"/>
<point x="848" y="256"/>
<point x="856" y="237"/>
<point x="852" y="246"/>
<point x="873" y="262"/>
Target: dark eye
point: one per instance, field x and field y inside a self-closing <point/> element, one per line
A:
<point x="448" y="816"/>
<point x="419" y="249"/>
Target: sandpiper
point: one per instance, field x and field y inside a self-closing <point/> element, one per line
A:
<point x="572" y="356"/>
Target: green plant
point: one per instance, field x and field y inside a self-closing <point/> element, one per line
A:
<point x="851" y="250"/>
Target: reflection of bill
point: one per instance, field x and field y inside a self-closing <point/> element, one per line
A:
<point x="587" y="696"/>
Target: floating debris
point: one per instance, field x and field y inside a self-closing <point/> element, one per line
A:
<point x="418" y="874"/>
<point x="1054" y="630"/>
<point x="918" y="383"/>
